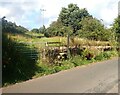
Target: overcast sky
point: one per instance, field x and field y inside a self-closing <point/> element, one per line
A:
<point x="27" y="12"/>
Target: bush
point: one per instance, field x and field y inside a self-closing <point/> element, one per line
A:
<point x="99" y="57"/>
<point x="76" y="61"/>
<point x="114" y="53"/>
<point x="57" y="69"/>
<point x="106" y="55"/>
<point x="67" y="64"/>
<point x="87" y="54"/>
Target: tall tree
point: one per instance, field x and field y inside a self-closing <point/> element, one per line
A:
<point x="72" y="15"/>
<point x="42" y="29"/>
<point x="116" y="27"/>
<point x="92" y="28"/>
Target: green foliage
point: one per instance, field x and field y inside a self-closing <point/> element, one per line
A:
<point x="99" y="57"/>
<point x="114" y="53"/>
<point x="54" y="29"/>
<point x="106" y="55"/>
<point x="44" y="69"/>
<point x="57" y="29"/>
<point x="35" y="30"/>
<point x="87" y="54"/>
<point x="78" y="22"/>
<point x="67" y="64"/>
<point x="42" y="29"/>
<point x="16" y="66"/>
<point x="77" y="61"/>
<point x="72" y="15"/>
<point x="116" y="27"/>
<point x="34" y="35"/>
<point x="92" y="29"/>
<point x="12" y="27"/>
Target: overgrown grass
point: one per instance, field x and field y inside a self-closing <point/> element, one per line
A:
<point x="16" y="66"/>
<point x="63" y="40"/>
<point x="86" y="42"/>
<point x="106" y="55"/>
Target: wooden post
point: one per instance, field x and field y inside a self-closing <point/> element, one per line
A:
<point x="44" y="50"/>
<point x="68" y="43"/>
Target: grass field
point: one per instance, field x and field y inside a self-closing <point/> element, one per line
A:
<point x="40" y="41"/>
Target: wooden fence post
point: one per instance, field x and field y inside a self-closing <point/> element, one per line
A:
<point x="68" y="43"/>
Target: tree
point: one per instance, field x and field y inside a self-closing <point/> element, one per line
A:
<point x="72" y="15"/>
<point x="20" y="28"/>
<point x="42" y="29"/>
<point x="11" y="27"/>
<point x="93" y="29"/>
<point x="116" y="27"/>
<point x="35" y="30"/>
<point x="57" y="29"/>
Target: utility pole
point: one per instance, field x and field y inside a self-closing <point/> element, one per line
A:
<point x="42" y="11"/>
<point x="119" y="8"/>
<point x="44" y="50"/>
